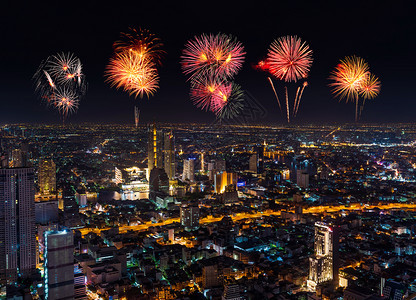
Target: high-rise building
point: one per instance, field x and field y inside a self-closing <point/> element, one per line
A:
<point x="59" y="265"/>
<point x="302" y="178"/>
<point x="47" y="177"/>
<point x="190" y="216"/>
<point x="17" y="224"/>
<point x="169" y="155"/>
<point x="232" y="292"/>
<point x="46" y="212"/>
<point x="253" y="163"/>
<point x="223" y="180"/>
<point x="19" y="158"/>
<point x="220" y="165"/>
<point x="188" y="169"/>
<point x="158" y="183"/>
<point x="324" y="264"/>
<point x="80" y="290"/>
<point x="118" y="176"/>
<point x="155" y="149"/>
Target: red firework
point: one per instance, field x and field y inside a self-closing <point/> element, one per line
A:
<point x="289" y="58"/>
<point x="219" y="55"/>
<point x="204" y="91"/>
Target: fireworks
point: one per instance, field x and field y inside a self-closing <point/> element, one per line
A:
<point x="352" y="79"/>
<point x="220" y="55"/>
<point x="143" y="43"/>
<point x="210" y="61"/>
<point x="133" y="67"/>
<point x="370" y="87"/>
<point x="136" y="74"/>
<point x="60" y="82"/>
<point x="289" y="59"/>
<point x="348" y="77"/>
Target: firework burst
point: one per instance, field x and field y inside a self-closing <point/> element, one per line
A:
<point x="370" y="87"/>
<point x="352" y="79"/>
<point x="212" y="55"/>
<point x="143" y="43"/>
<point x="233" y="104"/>
<point x="66" y="101"/>
<point x="348" y="78"/>
<point x="135" y="73"/>
<point x="59" y="81"/>
<point x="289" y="58"/>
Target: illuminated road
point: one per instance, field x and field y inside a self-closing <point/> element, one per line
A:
<point x="240" y="216"/>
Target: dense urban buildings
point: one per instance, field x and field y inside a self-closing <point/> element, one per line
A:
<point x="226" y="212"/>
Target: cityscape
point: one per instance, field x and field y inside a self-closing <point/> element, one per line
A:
<point x="191" y="211"/>
<point x="217" y="150"/>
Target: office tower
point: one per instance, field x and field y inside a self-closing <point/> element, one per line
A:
<point x="169" y="155"/>
<point x="46" y="212"/>
<point x="188" y="169"/>
<point x="190" y="216"/>
<point x="211" y="276"/>
<point x="59" y="265"/>
<point x="232" y="292"/>
<point x="302" y="179"/>
<point x="223" y="181"/>
<point x="17" y="224"/>
<point x="80" y="290"/>
<point x="202" y="162"/>
<point x="118" y="176"/>
<point x="47" y="177"/>
<point x="324" y="264"/>
<point x="81" y="198"/>
<point x="158" y="183"/>
<point x="155" y="150"/>
<point x="253" y="162"/>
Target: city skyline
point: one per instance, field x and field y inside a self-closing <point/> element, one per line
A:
<point x="99" y="26"/>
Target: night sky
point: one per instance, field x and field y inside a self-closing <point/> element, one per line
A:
<point x="382" y="32"/>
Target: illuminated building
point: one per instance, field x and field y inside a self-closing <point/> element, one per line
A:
<point x="169" y="155"/>
<point x="324" y="264"/>
<point x="155" y="150"/>
<point x="18" y="159"/>
<point x="223" y="181"/>
<point x="220" y="165"/>
<point x="17" y="224"/>
<point x="118" y="176"/>
<point x="190" y="216"/>
<point x="286" y="174"/>
<point x="136" y="116"/>
<point x="202" y="162"/>
<point x="260" y="158"/>
<point x="188" y="169"/>
<point x="232" y="292"/>
<point x="59" y="265"/>
<point x="47" y="177"/>
<point x="80" y="290"/>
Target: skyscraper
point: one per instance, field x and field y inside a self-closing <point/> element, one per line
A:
<point x="324" y="264"/>
<point x="17" y="224"/>
<point x="169" y="154"/>
<point x="158" y="183"/>
<point x="155" y="150"/>
<point x="188" y="169"/>
<point x="59" y="265"/>
<point x="47" y="177"/>
<point x="190" y="216"/>
<point x="223" y="180"/>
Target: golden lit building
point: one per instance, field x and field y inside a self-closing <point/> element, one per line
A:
<point x="47" y="177"/>
<point x="224" y="179"/>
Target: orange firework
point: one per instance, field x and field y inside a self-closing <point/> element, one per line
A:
<point x="135" y="73"/>
<point x="143" y="42"/>
<point x="370" y="87"/>
<point x="348" y="77"/>
<point x="352" y="79"/>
